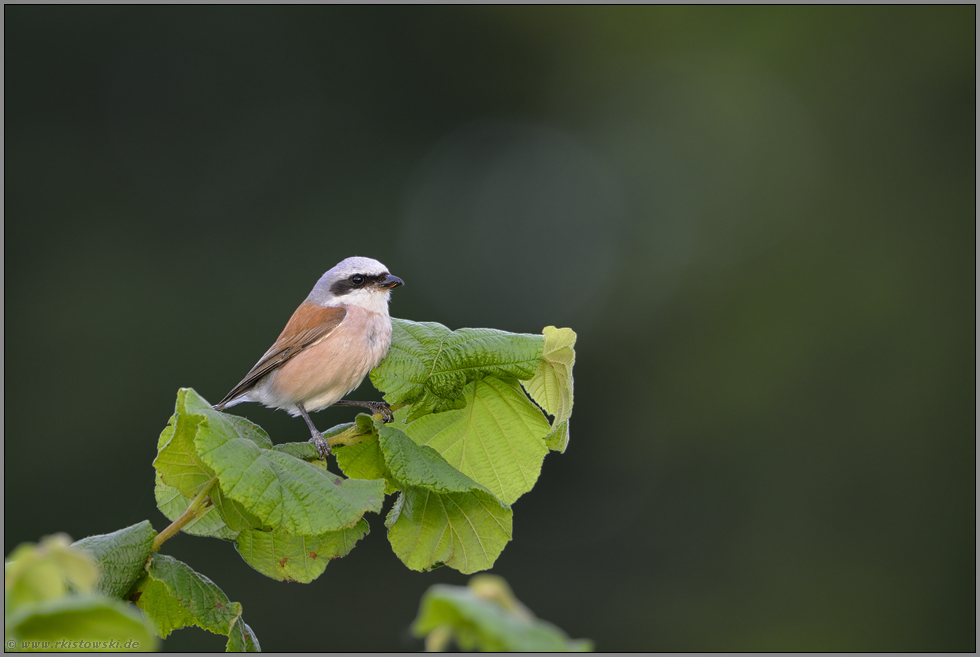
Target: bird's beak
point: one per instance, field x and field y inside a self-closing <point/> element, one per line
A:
<point x="391" y="282"/>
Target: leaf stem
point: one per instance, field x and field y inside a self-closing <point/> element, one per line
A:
<point x="197" y="505"/>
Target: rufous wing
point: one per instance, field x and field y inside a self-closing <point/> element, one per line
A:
<point x="308" y="325"/>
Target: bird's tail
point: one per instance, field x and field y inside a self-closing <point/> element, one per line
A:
<point x="222" y="405"/>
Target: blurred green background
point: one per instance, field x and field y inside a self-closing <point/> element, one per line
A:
<point x="760" y="221"/>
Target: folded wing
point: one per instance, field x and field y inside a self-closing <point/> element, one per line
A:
<point x="308" y="325"/>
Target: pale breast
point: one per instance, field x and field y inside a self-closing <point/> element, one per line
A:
<point x="328" y="370"/>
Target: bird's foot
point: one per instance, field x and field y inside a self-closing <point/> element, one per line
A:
<point x="322" y="446"/>
<point x="377" y="408"/>
<point x="382" y="409"/>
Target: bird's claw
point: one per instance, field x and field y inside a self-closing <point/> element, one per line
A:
<point x="322" y="446"/>
<point x="381" y="408"/>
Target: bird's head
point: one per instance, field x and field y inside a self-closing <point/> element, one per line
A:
<point x="356" y="281"/>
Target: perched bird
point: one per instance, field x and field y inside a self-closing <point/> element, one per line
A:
<point x="335" y="337"/>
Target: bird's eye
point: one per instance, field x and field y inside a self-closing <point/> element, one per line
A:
<point x="357" y="279"/>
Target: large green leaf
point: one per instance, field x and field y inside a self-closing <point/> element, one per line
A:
<point x="497" y="439"/>
<point x="191" y="599"/>
<point x="120" y="555"/>
<point x="283" y="491"/>
<point x="278" y="489"/>
<point x="441" y="517"/>
<point x="78" y="623"/>
<point x="465" y="531"/>
<point x="552" y="386"/>
<point x="487" y="617"/>
<point x="292" y="558"/>
<point x="175" y="596"/>
<point x="429" y="365"/>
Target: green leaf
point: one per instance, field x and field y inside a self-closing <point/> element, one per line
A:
<point x="364" y="460"/>
<point x="497" y="439"/>
<point x="203" y="603"/>
<point x="429" y="365"/>
<point x="174" y="596"/>
<point x="420" y="466"/>
<point x="79" y="623"/>
<point x="278" y="489"/>
<point x="305" y="450"/>
<point x="242" y="639"/>
<point x="234" y="515"/>
<point x="441" y="517"/>
<point x="465" y="531"/>
<point x="168" y="431"/>
<point x="195" y="406"/>
<point x="283" y="491"/>
<point x="28" y="579"/>
<point x="120" y="555"/>
<point x="487" y="617"/>
<point x="557" y="440"/>
<point x="177" y="461"/>
<point x="173" y="504"/>
<point x="552" y="386"/>
<point x="37" y="573"/>
<point x="163" y="611"/>
<point x="291" y="558"/>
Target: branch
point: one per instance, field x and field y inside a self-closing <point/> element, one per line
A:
<point x="196" y="509"/>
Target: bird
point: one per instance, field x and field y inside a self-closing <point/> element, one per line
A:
<point x="333" y="339"/>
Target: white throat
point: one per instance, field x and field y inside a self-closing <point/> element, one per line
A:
<point x="372" y="300"/>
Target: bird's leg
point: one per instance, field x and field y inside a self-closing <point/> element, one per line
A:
<point x="318" y="440"/>
<point x="376" y="407"/>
